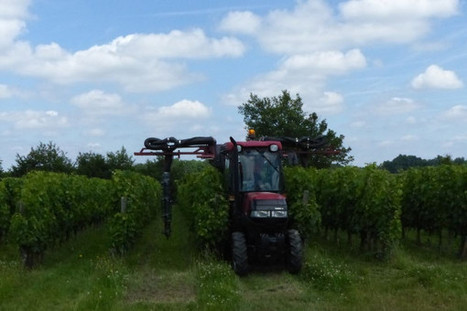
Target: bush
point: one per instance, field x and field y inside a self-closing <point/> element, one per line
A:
<point x="201" y="198"/>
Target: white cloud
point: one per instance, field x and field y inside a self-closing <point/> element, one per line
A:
<point x="241" y="22"/>
<point x="358" y="124"/>
<point x="396" y="105"/>
<point x="436" y="77"/>
<point x="385" y="143"/>
<point x="411" y="120"/>
<point x="325" y="62"/>
<point x="31" y="119"/>
<point x="306" y="75"/>
<point x="409" y="138"/>
<point x="399" y="9"/>
<point x="12" y="15"/>
<point x="312" y="25"/>
<point x="97" y="102"/>
<point x="5" y="91"/>
<point x="95" y="132"/>
<point x="458" y="112"/>
<point x="184" y="109"/>
<point x="94" y="145"/>
<point x="185" y="116"/>
<point x="328" y="103"/>
<point x="138" y="62"/>
<point x="176" y="44"/>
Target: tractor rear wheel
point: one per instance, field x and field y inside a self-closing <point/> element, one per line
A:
<point x="239" y="253"/>
<point x="295" y="251"/>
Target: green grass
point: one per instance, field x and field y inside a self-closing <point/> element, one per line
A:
<point x="169" y="274"/>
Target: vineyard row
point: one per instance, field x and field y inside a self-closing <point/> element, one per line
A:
<point x="43" y="209"/>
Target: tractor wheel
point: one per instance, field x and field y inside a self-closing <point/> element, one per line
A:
<point x="295" y="251"/>
<point x="239" y="253"/>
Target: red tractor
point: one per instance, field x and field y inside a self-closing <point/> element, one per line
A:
<point x="260" y="226"/>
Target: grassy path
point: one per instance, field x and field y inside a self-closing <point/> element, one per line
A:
<point x="169" y="274"/>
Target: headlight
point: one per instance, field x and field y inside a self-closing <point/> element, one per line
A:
<point x="279" y="214"/>
<point x="260" y="214"/>
<point x="273" y="148"/>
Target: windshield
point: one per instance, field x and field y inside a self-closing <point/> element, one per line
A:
<point x="259" y="170"/>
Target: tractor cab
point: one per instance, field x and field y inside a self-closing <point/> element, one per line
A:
<point x="258" y="166"/>
<point x="255" y="180"/>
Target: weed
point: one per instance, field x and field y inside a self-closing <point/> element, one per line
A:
<point x="325" y="274"/>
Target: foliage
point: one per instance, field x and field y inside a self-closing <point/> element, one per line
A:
<point x="10" y="191"/>
<point x="52" y="206"/>
<point x="139" y="197"/>
<point x="404" y="162"/>
<point x="45" y="157"/>
<point x="4" y="211"/>
<point x="152" y="168"/>
<point x="92" y="165"/>
<point x="201" y="198"/>
<point x="120" y="160"/>
<point x="284" y="116"/>
<point x="434" y="199"/>
<point x="377" y="212"/>
<point x="96" y="165"/>
<point x="353" y="200"/>
<point x="301" y="199"/>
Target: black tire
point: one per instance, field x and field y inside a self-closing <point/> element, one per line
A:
<point x="239" y="253"/>
<point x="295" y="251"/>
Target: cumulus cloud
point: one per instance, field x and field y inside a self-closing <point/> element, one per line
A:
<point x="312" y="25"/>
<point x="397" y="105"/>
<point x="137" y="62"/>
<point x="409" y="138"/>
<point x="179" y="118"/>
<point x="97" y="102"/>
<point x="31" y="119"/>
<point x="184" y="109"/>
<point x="326" y="62"/>
<point x="306" y="75"/>
<point x="458" y="112"/>
<point x="95" y="132"/>
<point x="12" y="24"/>
<point x="328" y="103"/>
<point x="312" y="36"/>
<point x="5" y="91"/>
<point x="241" y="22"/>
<point x="438" y="78"/>
<point x="399" y="9"/>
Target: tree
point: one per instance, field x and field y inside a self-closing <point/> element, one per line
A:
<point x="284" y="116"/>
<point x="403" y="162"/>
<point x="92" y="165"/>
<point x="152" y="168"/>
<point x="119" y="160"/>
<point x="46" y="157"/>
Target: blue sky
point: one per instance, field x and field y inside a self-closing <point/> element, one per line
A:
<point x="95" y="76"/>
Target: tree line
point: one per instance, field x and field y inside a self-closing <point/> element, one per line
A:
<point x="50" y="158"/>
<point x="404" y="162"/>
<point x="276" y="116"/>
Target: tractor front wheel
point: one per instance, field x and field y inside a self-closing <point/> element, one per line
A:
<point x="239" y="253"/>
<point x="295" y="251"/>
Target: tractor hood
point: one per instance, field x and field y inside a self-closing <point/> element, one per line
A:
<point x="265" y="205"/>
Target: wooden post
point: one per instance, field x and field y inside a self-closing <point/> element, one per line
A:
<point x="123" y="203"/>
